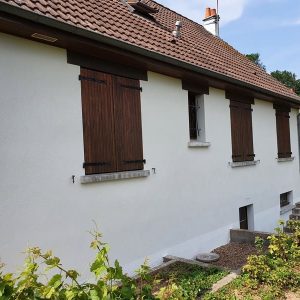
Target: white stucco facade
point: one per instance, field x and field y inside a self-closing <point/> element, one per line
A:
<point x="187" y="206"/>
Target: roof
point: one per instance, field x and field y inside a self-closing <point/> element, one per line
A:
<point x="197" y="47"/>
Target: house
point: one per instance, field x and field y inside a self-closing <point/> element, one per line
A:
<point x="130" y="115"/>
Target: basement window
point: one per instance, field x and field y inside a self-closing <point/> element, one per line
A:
<point x="286" y="199"/>
<point x="286" y="202"/>
<point x="246" y="217"/>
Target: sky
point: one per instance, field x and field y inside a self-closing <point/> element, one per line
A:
<point x="268" y="27"/>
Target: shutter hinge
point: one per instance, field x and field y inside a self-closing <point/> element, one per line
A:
<point x="91" y="79"/>
<point x="134" y="161"/>
<point x="95" y="164"/>
<point x="132" y="87"/>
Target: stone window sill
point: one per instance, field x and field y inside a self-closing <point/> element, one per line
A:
<point x="243" y="163"/>
<point x="286" y="208"/>
<point x="283" y="159"/>
<point x="114" y="176"/>
<point x="198" y="144"/>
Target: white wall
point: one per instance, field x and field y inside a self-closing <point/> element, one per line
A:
<point x="186" y="207"/>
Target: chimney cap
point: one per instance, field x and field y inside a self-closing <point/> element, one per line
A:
<point x="207" y="12"/>
<point x="213" y="12"/>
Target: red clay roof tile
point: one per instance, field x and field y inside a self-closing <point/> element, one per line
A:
<point x="197" y="46"/>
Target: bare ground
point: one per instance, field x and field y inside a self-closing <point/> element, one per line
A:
<point x="234" y="255"/>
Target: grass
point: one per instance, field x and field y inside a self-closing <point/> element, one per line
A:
<point x="244" y="288"/>
<point x="188" y="281"/>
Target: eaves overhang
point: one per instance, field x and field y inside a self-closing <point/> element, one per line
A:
<point x="95" y="36"/>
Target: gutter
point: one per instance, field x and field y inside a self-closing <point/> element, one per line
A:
<point x="51" y="22"/>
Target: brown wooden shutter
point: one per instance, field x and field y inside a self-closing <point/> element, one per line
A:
<point x="241" y="131"/>
<point x="283" y="133"/>
<point x="247" y="132"/>
<point x="236" y="131"/>
<point x="128" y="124"/>
<point x="98" y="122"/>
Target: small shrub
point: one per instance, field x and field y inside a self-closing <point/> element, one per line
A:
<point x="270" y="273"/>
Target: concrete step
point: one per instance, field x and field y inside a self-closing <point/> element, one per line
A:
<point x="297" y="205"/>
<point x="294" y="217"/>
<point x="296" y="211"/>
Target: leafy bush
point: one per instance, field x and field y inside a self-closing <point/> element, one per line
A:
<point x="271" y="272"/>
<point x="188" y="281"/>
<point x="110" y="281"/>
<point x="185" y="283"/>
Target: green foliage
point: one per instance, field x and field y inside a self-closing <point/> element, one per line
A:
<point x="270" y="273"/>
<point x="110" y="282"/>
<point x="188" y="281"/>
<point x="255" y="57"/>
<point x="289" y="79"/>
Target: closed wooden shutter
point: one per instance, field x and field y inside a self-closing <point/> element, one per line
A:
<point x="283" y="133"/>
<point x="236" y="131"/>
<point x="241" y="131"/>
<point x="128" y="124"/>
<point x="247" y="132"/>
<point x="98" y="122"/>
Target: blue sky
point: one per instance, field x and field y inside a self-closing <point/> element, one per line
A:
<point x="269" y="27"/>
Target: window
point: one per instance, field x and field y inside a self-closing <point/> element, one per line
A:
<point x="286" y="199"/>
<point x="241" y="131"/>
<point x="243" y="217"/>
<point x="246" y="215"/>
<point x="196" y="117"/>
<point x="283" y="132"/>
<point x="112" y="129"/>
<point x="194" y="131"/>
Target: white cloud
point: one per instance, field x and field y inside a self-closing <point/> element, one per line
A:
<point x="229" y="10"/>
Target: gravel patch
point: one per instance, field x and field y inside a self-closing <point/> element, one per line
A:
<point x="234" y="255"/>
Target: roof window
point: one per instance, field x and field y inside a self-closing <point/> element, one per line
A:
<point x="141" y="7"/>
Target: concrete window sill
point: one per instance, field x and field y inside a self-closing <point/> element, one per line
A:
<point x="114" y="176"/>
<point x="198" y="144"/>
<point x="243" y="163"/>
<point x="286" y="208"/>
<point x="285" y="159"/>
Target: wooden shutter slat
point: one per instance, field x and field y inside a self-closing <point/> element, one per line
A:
<point x="128" y="124"/>
<point x="98" y="120"/>
<point x="283" y="133"/>
<point x="241" y="131"/>
<point x="247" y="133"/>
<point x="236" y="131"/>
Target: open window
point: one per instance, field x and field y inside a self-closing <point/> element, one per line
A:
<point x="246" y="217"/>
<point x="112" y="127"/>
<point x="197" y="120"/>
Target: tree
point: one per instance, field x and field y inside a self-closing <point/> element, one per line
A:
<point x="289" y="79"/>
<point x="255" y="57"/>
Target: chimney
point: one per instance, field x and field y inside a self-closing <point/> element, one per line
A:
<point x="211" y="21"/>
